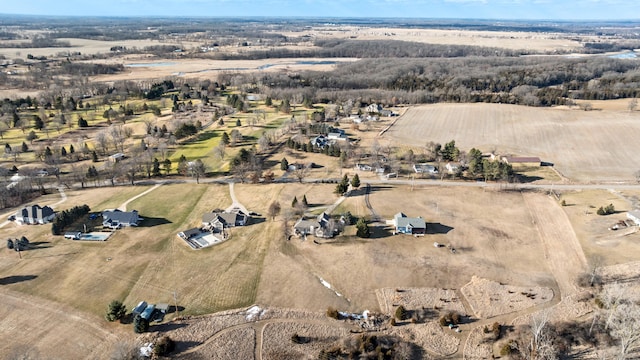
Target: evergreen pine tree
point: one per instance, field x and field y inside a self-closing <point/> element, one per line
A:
<point x="284" y="164"/>
<point x="362" y="229"/>
<point x="355" y="181"/>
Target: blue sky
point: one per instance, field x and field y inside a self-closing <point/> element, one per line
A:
<point x="476" y="9"/>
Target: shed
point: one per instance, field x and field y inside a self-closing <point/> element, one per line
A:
<point x="147" y="314"/>
<point x="162" y="307"/>
<point x="139" y="308"/>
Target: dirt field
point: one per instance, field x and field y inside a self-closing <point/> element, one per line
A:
<point x="203" y="68"/>
<point x="583" y="145"/>
<point x="508" y="40"/>
<point x="52" y="331"/>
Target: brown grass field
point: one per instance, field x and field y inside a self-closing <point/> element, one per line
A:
<point x="585" y="146"/>
<point x="495" y="233"/>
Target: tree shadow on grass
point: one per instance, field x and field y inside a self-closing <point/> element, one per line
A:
<point x="167" y="327"/>
<point x="379" y="231"/>
<point x="527" y="178"/>
<point x="182" y="346"/>
<point x="36" y="245"/>
<point x="153" y="221"/>
<point x="16" y="279"/>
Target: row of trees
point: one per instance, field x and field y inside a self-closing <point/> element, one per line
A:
<point x="540" y="81"/>
<point x="68" y="217"/>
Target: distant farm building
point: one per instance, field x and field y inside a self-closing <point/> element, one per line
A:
<point x="34" y="214"/>
<point x="116" y="157"/>
<point x="453" y="168"/>
<point x="424" y="169"/>
<point x="374" y="108"/>
<point x="409" y="225"/>
<point x="522" y="160"/>
<point x="339" y="136"/>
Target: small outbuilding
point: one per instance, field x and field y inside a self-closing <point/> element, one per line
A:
<point x="139" y="308"/>
<point x="634" y="216"/>
<point x="522" y="160"/>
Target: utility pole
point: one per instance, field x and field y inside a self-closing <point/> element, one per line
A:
<point x="175" y="299"/>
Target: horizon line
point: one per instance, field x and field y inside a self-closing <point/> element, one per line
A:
<point x="307" y="17"/>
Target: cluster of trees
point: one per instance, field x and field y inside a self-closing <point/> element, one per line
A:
<point x="236" y="102"/>
<point x="68" y="217"/>
<point x="489" y="170"/>
<point x="331" y="150"/>
<point x="158" y="89"/>
<point x="187" y="129"/>
<point x="115" y="311"/>
<point x="606" y="210"/>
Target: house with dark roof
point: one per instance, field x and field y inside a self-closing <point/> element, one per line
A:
<point x="409" y="225"/>
<point x="188" y="234"/>
<point x="221" y="220"/>
<point x="34" y="214"/>
<point x="116" y="219"/>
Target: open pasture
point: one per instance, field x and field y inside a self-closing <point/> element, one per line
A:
<point x="583" y="145"/>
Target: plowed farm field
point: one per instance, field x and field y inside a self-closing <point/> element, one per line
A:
<point x="598" y="145"/>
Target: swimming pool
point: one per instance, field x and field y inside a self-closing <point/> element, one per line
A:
<point x="95" y="236"/>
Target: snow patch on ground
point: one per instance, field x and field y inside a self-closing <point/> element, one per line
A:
<point x="254" y="312"/>
<point x="328" y="286"/>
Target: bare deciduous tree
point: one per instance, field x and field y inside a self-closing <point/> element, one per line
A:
<point x="301" y="172"/>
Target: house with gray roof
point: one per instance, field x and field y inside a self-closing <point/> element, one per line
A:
<point x="34" y="214"/>
<point x="409" y="225"/>
<point x="116" y="219"/>
<point x="319" y="226"/>
<point x="221" y="220"/>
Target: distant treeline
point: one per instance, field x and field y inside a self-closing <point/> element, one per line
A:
<point x="37" y="42"/>
<point x="535" y="81"/>
<point x="601" y="47"/>
<point x="87" y="69"/>
<point x="371" y="49"/>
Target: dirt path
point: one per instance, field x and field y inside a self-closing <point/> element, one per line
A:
<point x="63" y="197"/>
<point x="52" y="330"/>
<point x="235" y="204"/>
<point x="374" y="216"/>
<point x="562" y="250"/>
<point x="123" y="207"/>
